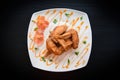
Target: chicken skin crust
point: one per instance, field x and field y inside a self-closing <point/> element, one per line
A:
<point x="61" y="40"/>
<point x="70" y="33"/>
<point x="75" y="38"/>
<point x="51" y="46"/>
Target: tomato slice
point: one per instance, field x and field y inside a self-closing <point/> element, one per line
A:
<point x="39" y="38"/>
<point x="42" y="23"/>
<point x="39" y="31"/>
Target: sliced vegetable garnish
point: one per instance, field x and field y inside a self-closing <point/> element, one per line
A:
<point x="43" y="59"/>
<point x="35" y="28"/>
<point x="34" y="21"/>
<point x="50" y="60"/>
<point x="68" y="61"/>
<point x="81" y="17"/>
<point x="55" y="21"/>
<point x="67" y="15"/>
<point x="84" y="42"/>
<point x="76" y="53"/>
<point x="36" y="48"/>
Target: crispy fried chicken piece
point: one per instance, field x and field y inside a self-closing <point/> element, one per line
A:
<point x="54" y="39"/>
<point x="65" y="44"/>
<point x="57" y="31"/>
<point x="66" y="35"/>
<point x="69" y="43"/>
<point x="75" y="38"/>
<point x="61" y="40"/>
<point x="70" y="33"/>
<point x="51" y="46"/>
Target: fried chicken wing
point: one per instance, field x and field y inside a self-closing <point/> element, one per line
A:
<point x="66" y="35"/>
<point x="70" y="33"/>
<point x="75" y="38"/>
<point x="64" y="44"/>
<point x="51" y="46"/>
<point x="61" y="40"/>
<point x="58" y="30"/>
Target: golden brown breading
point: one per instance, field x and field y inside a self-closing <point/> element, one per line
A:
<point x="58" y="30"/>
<point x="75" y="38"/>
<point x="64" y="44"/>
<point x="51" y="46"/>
<point x="61" y="40"/>
<point x="70" y="33"/>
<point x="66" y="35"/>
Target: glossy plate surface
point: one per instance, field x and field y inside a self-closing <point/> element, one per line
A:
<point x="68" y="60"/>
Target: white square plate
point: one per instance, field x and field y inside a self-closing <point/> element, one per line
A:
<point x="67" y="61"/>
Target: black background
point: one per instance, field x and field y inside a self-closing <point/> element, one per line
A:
<point x="104" y="59"/>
